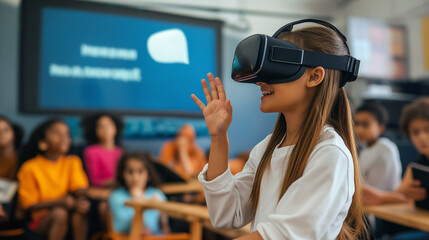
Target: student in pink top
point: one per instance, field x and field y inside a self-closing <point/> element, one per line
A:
<point x="102" y="132"/>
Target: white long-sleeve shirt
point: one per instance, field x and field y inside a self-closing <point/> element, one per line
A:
<point x="314" y="206"/>
<point x="380" y="165"/>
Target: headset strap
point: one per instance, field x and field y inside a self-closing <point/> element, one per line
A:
<point x="346" y="64"/>
<point x="288" y="28"/>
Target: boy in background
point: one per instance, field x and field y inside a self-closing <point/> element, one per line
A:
<point x="379" y="160"/>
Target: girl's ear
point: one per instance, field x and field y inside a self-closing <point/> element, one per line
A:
<point x="317" y="75"/>
<point x="43" y="146"/>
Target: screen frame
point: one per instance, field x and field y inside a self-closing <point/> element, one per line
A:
<point x="29" y="52"/>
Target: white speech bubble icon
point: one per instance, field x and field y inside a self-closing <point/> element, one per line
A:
<point x="168" y="46"/>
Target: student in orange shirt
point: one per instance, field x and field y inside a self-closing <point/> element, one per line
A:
<point x="52" y="184"/>
<point x="183" y="154"/>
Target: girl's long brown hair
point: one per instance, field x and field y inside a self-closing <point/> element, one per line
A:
<point x="329" y="106"/>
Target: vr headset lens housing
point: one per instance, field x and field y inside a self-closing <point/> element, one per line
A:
<point x="260" y="58"/>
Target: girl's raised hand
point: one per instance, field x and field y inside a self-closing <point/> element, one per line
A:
<point x="218" y="112"/>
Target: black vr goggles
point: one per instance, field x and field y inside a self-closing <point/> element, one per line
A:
<point x="260" y="58"/>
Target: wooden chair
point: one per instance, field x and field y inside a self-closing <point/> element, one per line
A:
<point x="113" y="235"/>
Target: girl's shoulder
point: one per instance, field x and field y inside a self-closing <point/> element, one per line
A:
<point x="30" y="164"/>
<point x="262" y="145"/>
<point x="257" y="152"/>
<point x="72" y="161"/>
<point x="72" y="157"/>
<point x="120" y="192"/>
<point x="330" y="140"/>
<point x="386" y="144"/>
<point x="119" y="150"/>
<point x="93" y="147"/>
<point x="154" y="192"/>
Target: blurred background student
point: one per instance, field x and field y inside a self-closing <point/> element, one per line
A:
<point x="11" y="135"/>
<point x="379" y="161"/>
<point x="53" y="184"/>
<point x="137" y="179"/>
<point x="103" y="133"/>
<point x="415" y="124"/>
<point x="182" y="154"/>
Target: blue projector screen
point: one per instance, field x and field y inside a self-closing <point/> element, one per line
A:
<point x="92" y="60"/>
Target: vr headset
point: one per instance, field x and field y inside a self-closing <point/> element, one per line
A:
<point x="260" y="58"/>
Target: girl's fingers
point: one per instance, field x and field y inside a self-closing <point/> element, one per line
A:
<point x="220" y="89"/>
<point x="212" y="86"/>
<point x="198" y="102"/>
<point x="228" y="104"/>
<point x="206" y="91"/>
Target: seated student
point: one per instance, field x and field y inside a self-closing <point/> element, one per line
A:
<point x="415" y="124"/>
<point x="137" y="179"/>
<point x="379" y="161"/>
<point x="53" y="184"/>
<point x="10" y="141"/>
<point x="103" y="133"/>
<point x="183" y="154"/>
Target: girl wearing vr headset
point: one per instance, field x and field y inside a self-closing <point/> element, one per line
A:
<point x="301" y="181"/>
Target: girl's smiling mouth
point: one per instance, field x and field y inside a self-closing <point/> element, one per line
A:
<point x="265" y="92"/>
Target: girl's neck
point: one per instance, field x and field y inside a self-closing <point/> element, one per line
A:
<point x="7" y="151"/>
<point x="108" y="144"/>
<point x="52" y="156"/>
<point x="293" y="125"/>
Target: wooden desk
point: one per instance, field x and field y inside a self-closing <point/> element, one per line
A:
<point x="405" y="214"/>
<point x="191" y="186"/>
<point x="196" y="215"/>
<point x="101" y="194"/>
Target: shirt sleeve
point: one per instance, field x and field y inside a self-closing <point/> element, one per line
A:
<point x="122" y="215"/>
<point x="28" y="190"/>
<point x="316" y="201"/>
<point x="91" y="163"/>
<point x="78" y="179"/>
<point x="227" y="196"/>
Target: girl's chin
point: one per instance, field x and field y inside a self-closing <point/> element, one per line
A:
<point x="266" y="110"/>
